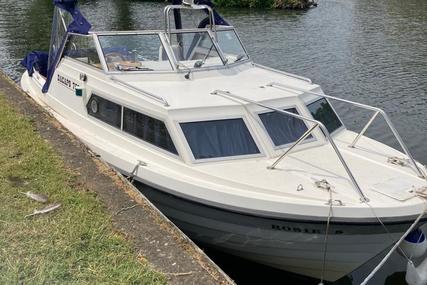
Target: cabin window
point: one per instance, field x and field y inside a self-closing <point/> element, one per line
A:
<point x="104" y="110"/>
<point x="322" y="111"/>
<point x="82" y="48"/>
<point x="148" y="129"/>
<point x="283" y="129"/>
<point x="231" y="46"/>
<point x="219" y="138"/>
<point x="127" y="53"/>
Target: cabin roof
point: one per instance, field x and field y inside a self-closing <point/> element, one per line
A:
<point x="245" y="80"/>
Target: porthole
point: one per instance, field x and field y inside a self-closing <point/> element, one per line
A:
<point x="94" y="106"/>
<point x="104" y="110"/>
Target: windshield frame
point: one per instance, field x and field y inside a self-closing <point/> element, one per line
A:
<point x="212" y="36"/>
<point x="136" y="33"/>
<point x="176" y="67"/>
<point x="231" y="28"/>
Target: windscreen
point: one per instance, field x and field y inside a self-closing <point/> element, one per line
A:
<point x="231" y="46"/>
<point x="195" y="49"/>
<point x="143" y="52"/>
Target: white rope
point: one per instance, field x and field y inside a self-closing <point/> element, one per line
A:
<point x="325" y="247"/>
<point x="384" y="260"/>
<point x="388" y="232"/>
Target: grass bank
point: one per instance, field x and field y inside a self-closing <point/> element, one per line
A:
<point x="76" y="243"/>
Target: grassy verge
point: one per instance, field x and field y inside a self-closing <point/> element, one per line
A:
<point x="73" y="245"/>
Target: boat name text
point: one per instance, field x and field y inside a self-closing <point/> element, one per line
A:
<point x="302" y="230"/>
<point x="67" y="82"/>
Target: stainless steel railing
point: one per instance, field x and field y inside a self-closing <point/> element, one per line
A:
<point x="365" y="128"/>
<point x="140" y="91"/>
<point x="317" y="124"/>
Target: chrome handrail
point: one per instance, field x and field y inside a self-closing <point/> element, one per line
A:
<point x="140" y="91"/>
<point x="283" y="72"/>
<point x="301" y="139"/>
<point x="318" y="124"/>
<point x="363" y="106"/>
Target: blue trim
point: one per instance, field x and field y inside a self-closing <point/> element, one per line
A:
<point x="79" y="25"/>
<point x="416" y="236"/>
<point x="37" y="60"/>
<point x="52" y="68"/>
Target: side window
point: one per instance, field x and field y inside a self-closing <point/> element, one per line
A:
<point x="82" y="48"/>
<point x="148" y="129"/>
<point x="104" y="110"/>
<point x="323" y="112"/>
<point x="219" y="138"/>
<point x="283" y="129"/>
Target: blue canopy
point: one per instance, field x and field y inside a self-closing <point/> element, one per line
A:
<point x="79" y="25"/>
<point x="39" y="60"/>
<point x="36" y="60"/>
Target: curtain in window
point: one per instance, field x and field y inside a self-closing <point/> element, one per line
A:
<point x="220" y="138"/>
<point x="283" y="129"/>
<point x="148" y="129"/>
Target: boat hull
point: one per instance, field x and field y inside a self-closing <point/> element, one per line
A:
<point x="291" y="244"/>
<point x="294" y="246"/>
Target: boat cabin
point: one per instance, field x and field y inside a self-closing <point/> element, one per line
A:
<point x="156" y="87"/>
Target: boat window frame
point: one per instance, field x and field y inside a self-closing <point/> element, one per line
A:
<point x="87" y="106"/>
<point x="164" y="44"/>
<point x="246" y="121"/>
<point x="176" y="69"/>
<point x="231" y="28"/>
<point x="213" y="39"/>
<point x="63" y="56"/>
<point x="311" y="101"/>
<point x="147" y="142"/>
<point x="285" y="146"/>
<point x="134" y="139"/>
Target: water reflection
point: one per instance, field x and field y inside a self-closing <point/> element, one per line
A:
<point x="372" y="51"/>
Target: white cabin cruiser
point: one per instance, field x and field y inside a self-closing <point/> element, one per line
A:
<point x="246" y="159"/>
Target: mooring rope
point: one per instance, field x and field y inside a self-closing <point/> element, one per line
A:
<point x="385" y="259"/>
<point x="325" y="246"/>
<point x="387" y="231"/>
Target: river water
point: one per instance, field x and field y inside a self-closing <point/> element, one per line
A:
<point x="370" y="51"/>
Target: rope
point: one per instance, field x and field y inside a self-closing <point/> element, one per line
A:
<point x="387" y="231"/>
<point x="384" y="260"/>
<point x="325" y="247"/>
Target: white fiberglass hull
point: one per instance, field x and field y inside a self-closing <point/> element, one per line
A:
<point x="291" y="244"/>
<point x="294" y="246"/>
